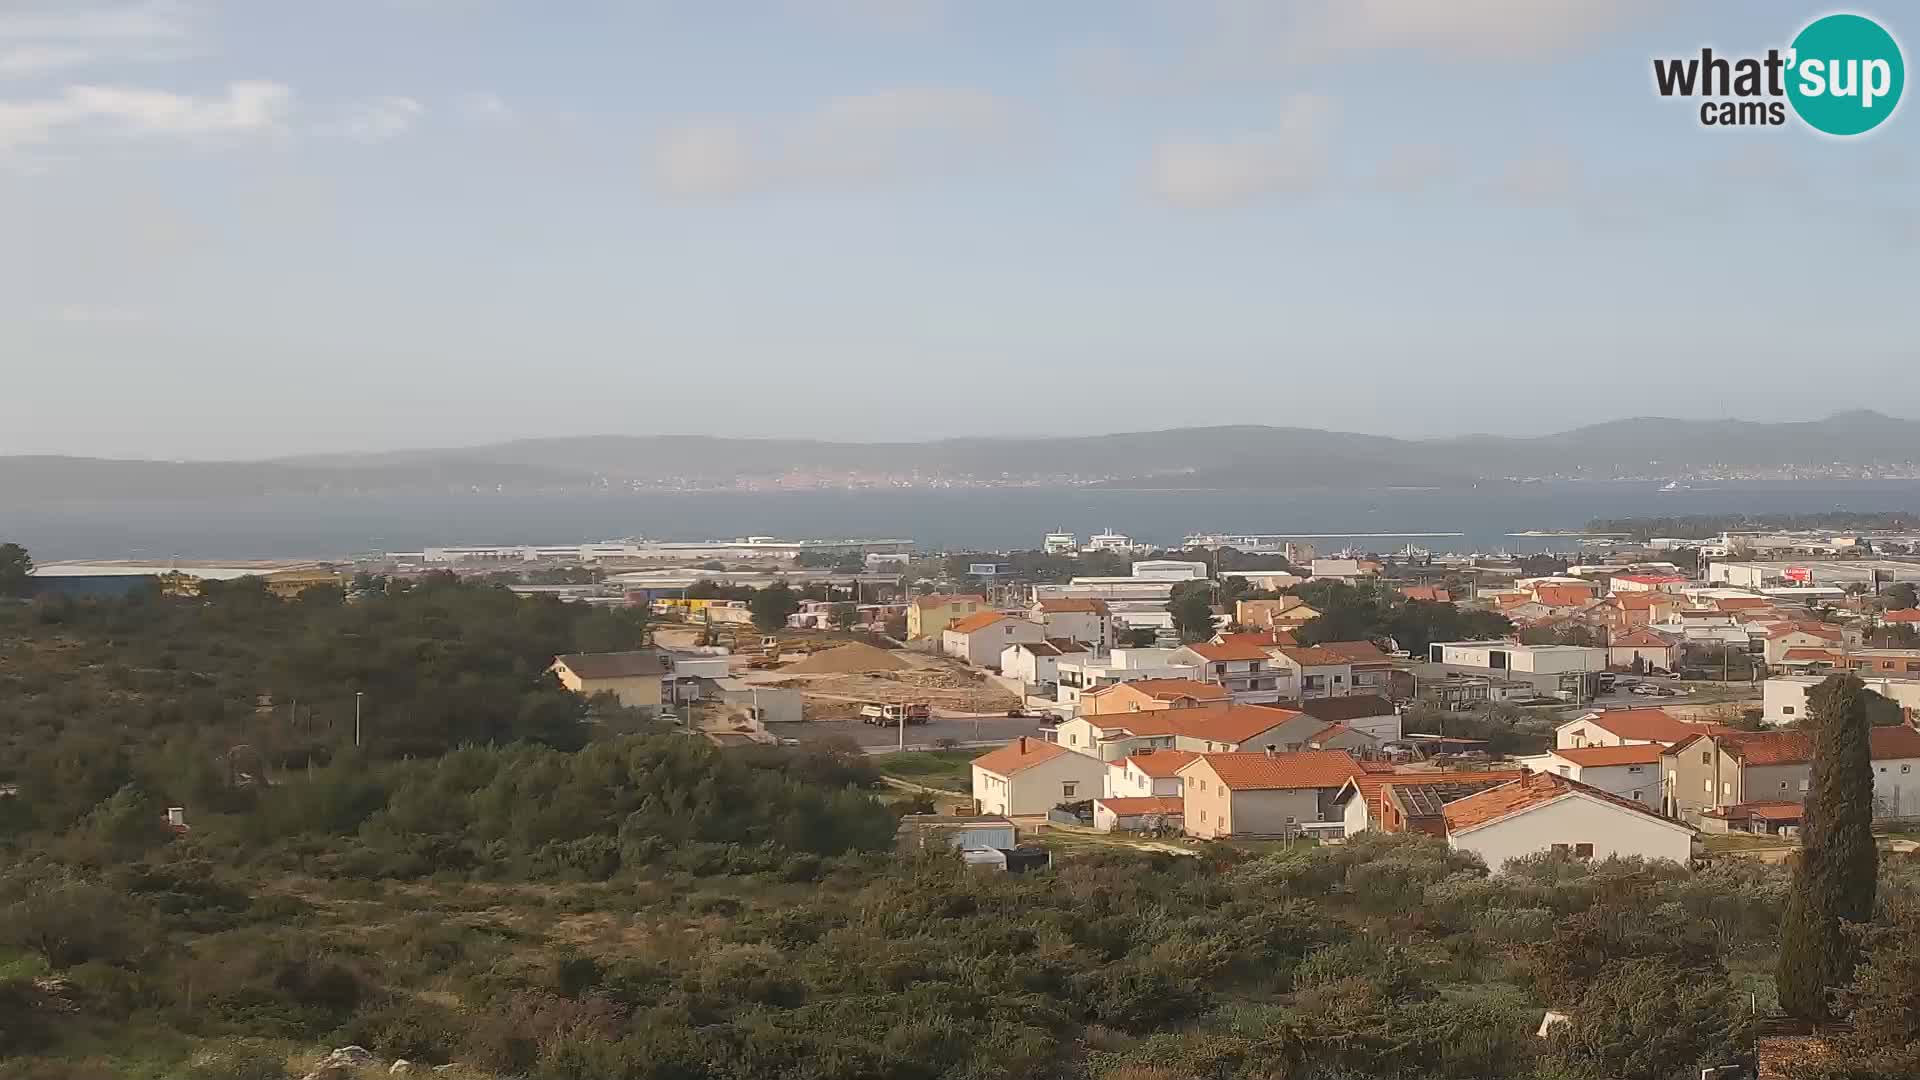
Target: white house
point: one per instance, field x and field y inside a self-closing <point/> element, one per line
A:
<point x="980" y="639"/>
<point x="1549" y="812"/>
<point x="1623" y="727"/>
<point x="1037" y="663"/>
<point x="1631" y="771"/>
<point x="1336" y="569"/>
<point x="1087" y="620"/>
<point x="1032" y="776"/>
<point x="1203" y="729"/>
<point x="1801" y="636"/>
<point x="1369" y="714"/>
<point x="1119" y="666"/>
<point x="1515" y="657"/>
<point x="1313" y="671"/>
<point x="1622" y="583"/>
<point x="1245" y="671"/>
<point x="1145" y="773"/>
<point x="1783" y="698"/>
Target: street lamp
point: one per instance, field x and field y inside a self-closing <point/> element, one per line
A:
<point x="357" y="695"/>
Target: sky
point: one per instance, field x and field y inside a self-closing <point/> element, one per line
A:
<point x="272" y="227"/>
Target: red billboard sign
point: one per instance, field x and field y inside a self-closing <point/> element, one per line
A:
<point x="1800" y="574"/>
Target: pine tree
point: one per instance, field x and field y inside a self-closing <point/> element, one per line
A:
<point x="1834" y="879"/>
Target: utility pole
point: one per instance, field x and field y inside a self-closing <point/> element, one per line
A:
<point x="357" y="695"/>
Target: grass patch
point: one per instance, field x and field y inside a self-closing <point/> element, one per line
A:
<point x="949" y="770"/>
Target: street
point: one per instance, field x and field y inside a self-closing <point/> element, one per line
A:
<point x="963" y="729"/>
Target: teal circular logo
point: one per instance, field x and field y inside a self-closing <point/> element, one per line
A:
<point x="1845" y="74"/>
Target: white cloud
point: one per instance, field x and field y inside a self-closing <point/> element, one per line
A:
<point x="1290" y="159"/>
<point x="1461" y="29"/>
<point x="888" y="134"/>
<point x="38" y="37"/>
<point x="378" y="120"/>
<point x="114" y="111"/>
<point x="484" y="107"/>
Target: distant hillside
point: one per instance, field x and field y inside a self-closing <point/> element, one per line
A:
<point x="1240" y="457"/>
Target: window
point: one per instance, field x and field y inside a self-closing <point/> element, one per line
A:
<point x="1565" y="770"/>
<point x="1906" y="768"/>
<point x="1203" y="816"/>
<point x="1583" y="851"/>
<point x="1289" y="820"/>
<point x="1706" y="757"/>
<point x="1803" y="785"/>
<point x="1786" y="710"/>
<point x="1706" y="786"/>
<point x="1559" y="849"/>
<point x="1067" y="790"/>
<point x="1074" y="739"/>
<point x="1726" y="787"/>
<point x="1636" y="768"/>
<point x="1638" y="798"/>
<point x="1783" y="785"/>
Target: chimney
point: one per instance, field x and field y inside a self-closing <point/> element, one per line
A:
<point x="1271" y="749"/>
<point x="1023" y="744"/>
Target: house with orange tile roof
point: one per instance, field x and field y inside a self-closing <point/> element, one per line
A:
<point x="1432" y="594"/>
<point x="1642" y="649"/>
<point x="1146" y="772"/>
<point x="980" y="638"/>
<point x="1635" y="608"/>
<point x="1147" y="695"/>
<point x="1410" y="800"/>
<point x="1725" y="768"/>
<point x="1283" y="612"/>
<point x="1801" y="635"/>
<point x="1623" y="727"/>
<point x="1371" y="670"/>
<point x="1626" y="583"/>
<point x="1032" y="776"/>
<point x="1901" y="617"/>
<point x="1262" y="793"/>
<point x="1245" y="670"/>
<point x="1547" y="812"/>
<point x="1201" y="729"/>
<point x="1138" y="814"/>
<point x="928" y="615"/>
<point x="1313" y="671"/>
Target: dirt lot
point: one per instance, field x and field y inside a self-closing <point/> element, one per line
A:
<point x="943" y="684"/>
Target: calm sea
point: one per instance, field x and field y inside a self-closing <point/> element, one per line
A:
<point x="306" y="527"/>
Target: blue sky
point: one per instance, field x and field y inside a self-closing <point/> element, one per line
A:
<point x="274" y="227"/>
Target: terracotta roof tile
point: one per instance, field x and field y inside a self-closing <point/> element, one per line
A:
<point x="1355" y="651"/>
<point x="1766" y="811"/>
<point x="1593" y="756"/>
<point x="1530" y="790"/>
<point x="1372" y="783"/>
<point x="1313" y="656"/>
<point x="1168" y="689"/>
<point x="1261" y="771"/>
<point x="976" y="622"/>
<point x="1160" y="764"/>
<point x="1905" y="615"/>
<point x="1640" y="639"/>
<point x="1225" y="653"/>
<point x="1654" y="724"/>
<point x="1066" y="605"/>
<point x="1020" y="754"/>
<point x="1802" y="652"/>
<point x="1562" y="595"/>
<point x="1431" y="593"/>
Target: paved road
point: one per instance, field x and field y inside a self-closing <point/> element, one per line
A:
<point x="989" y="729"/>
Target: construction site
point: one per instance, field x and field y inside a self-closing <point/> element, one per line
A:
<point x="837" y="673"/>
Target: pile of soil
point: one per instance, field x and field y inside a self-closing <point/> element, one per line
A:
<point x="850" y="659"/>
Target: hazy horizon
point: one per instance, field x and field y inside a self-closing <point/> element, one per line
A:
<point x="1006" y="437"/>
<point x="905" y="220"/>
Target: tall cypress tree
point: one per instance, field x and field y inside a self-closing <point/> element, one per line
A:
<point x="1834" y="879"/>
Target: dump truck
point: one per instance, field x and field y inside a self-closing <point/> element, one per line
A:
<point x="918" y="712"/>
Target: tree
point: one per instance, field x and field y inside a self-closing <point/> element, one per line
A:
<point x="1192" y="608"/>
<point x="771" y="606"/>
<point x="16" y="568"/>
<point x="1903" y="595"/>
<point x="1833" y="883"/>
<point x="844" y="615"/>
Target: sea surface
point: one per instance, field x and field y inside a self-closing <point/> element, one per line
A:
<point x="998" y="519"/>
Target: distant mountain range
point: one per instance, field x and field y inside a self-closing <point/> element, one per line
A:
<point x="1220" y="458"/>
